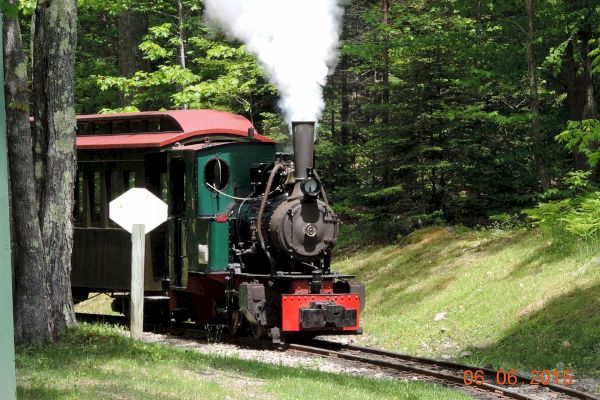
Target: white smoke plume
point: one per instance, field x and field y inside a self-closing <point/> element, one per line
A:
<point x="296" y="41"/>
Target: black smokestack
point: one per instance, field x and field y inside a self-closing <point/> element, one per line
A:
<point x="304" y="146"/>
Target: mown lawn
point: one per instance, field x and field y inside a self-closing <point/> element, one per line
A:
<point x="97" y="362"/>
<point x="508" y="299"/>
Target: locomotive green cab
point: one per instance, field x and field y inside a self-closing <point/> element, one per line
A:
<point x="204" y="182"/>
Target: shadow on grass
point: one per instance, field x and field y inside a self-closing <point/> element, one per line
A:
<point x="97" y="362"/>
<point x="104" y="391"/>
<point x="40" y="393"/>
<point x="545" y="254"/>
<point x="564" y="333"/>
<point x="391" y="271"/>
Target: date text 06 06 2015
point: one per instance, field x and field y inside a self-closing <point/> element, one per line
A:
<point x="538" y="377"/>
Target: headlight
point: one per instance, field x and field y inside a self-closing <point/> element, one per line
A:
<point x="310" y="187"/>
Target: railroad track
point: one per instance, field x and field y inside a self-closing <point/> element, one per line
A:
<point x="446" y="373"/>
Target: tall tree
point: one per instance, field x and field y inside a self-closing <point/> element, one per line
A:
<point x="534" y="99"/>
<point x="133" y="26"/>
<point x="345" y="102"/>
<point x="30" y="298"/>
<point x="54" y="39"/>
<point x="581" y="98"/>
<point x="182" y="17"/>
<point x="385" y="72"/>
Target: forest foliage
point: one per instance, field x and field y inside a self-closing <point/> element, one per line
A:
<point x="439" y="110"/>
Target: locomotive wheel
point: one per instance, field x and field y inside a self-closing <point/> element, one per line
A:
<point x="258" y="331"/>
<point x="234" y="321"/>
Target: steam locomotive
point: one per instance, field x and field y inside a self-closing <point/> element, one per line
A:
<point x="250" y="233"/>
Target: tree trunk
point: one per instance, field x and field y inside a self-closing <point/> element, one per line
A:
<point x="580" y="91"/>
<point x="385" y="9"/>
<point x="345" y="102"/>
<point x="333" y="133"/>
<point x="30" y="299"/>
<point x="53" y="97"/>
<point x="182" y="38"/>
<point x="133" y="26"/>
<point x="385" y="81"/>
<point x="534" y="100"/>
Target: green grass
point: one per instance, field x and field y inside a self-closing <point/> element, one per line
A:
<point x="512" y="299"/>
<point x="97" y="362"/>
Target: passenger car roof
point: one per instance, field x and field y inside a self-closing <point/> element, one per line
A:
<point x="184" y="126"/>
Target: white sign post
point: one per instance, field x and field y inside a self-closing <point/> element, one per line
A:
<point x="138" y="212"/>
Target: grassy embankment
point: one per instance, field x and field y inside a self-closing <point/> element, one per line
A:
<point x="97" y="362"/>
<point x="509" y="299"/>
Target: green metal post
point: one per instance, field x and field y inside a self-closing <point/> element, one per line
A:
<point x="7" y="344"/>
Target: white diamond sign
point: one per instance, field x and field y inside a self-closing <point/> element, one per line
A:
<point x="138" y="206"/>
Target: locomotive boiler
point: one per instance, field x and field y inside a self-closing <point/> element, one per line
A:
<point x="286" y="232"/>
<point x="250" y="232"/>
<point x="288" y="222"/>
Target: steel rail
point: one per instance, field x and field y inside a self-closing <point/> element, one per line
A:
<point x="522" y="379"/>
<point x="399" y="365"/>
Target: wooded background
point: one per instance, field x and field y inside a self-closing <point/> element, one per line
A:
<point x="439" y="111"/>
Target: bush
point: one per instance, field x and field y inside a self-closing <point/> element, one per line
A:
<point x="506" y="221"/>
<point x="577" y="216"/>
<point x="584" y="219"/>
<point x="549" y="216"/>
